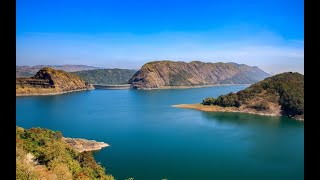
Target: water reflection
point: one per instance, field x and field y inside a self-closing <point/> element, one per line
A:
<point x="251" y="119"/>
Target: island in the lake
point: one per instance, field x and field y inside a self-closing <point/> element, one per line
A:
<point x="48" y="81"/>
<point x="46" y="154"/>
<point x="177" y="74"/>
<point x="279" y="95"/>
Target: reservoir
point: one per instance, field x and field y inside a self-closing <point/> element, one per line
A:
<point x="151" y="140"/>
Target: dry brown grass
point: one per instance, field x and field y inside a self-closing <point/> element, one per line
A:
<point x="214" y="108"/>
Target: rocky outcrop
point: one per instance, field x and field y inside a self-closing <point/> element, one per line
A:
<point x="82" y="145"/>
<point x="161" y="74"/>
<point x="50" y="81"/>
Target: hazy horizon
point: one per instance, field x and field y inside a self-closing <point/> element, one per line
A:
<point x="127" y="34"/>
<point x="107" y="67"/>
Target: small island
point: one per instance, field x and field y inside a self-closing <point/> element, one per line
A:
<point x="279" y="95"/>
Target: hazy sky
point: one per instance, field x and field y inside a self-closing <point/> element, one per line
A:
<point x="126" y="34"/>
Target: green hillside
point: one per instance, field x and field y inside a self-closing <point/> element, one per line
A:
<point x="41" y="153"/>
<point x="106" y="76"/>
<point x="285" y="90"/>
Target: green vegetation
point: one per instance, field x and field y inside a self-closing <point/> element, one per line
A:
<point x="106" y="76"/>
<point x="286" y="89"/>
<point x="52" y="157"/>
<point x="208" y="101"/>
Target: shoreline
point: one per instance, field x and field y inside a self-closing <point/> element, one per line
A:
<point x="84" y="145"/>
<point x="52" y="94"/>
<point x="190" y="87"/>
<point x="214" y="108"/>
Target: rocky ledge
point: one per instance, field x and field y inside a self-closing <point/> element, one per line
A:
<point x="82" y="145"/>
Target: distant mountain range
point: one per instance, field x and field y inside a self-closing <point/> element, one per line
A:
<point x="163" y="74"/>
<point x="160" y="74"/>
<point x="28" y="71"/>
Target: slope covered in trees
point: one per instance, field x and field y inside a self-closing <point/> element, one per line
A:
<point x="42" y="153"/>
<point x="283" y="92"/>
<point x="106" y="76"/>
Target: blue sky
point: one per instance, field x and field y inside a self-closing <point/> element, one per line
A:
<point x="127" y="34"/>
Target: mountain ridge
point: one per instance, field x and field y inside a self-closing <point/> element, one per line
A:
<point x="160" y="74"/>
<point x="28" y="71"/>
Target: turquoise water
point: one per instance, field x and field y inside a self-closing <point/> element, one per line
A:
<point x="150" y="140"/>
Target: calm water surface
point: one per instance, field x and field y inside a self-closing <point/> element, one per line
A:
<point x="150" y="140"/>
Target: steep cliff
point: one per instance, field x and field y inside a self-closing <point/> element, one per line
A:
<point x="49" y="81"/>
<point x="159" y="74"/>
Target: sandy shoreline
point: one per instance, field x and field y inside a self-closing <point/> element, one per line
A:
<point x="214" y="108"/>
<point x="52" y="94"/>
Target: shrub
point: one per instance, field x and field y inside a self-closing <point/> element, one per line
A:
<point x="208" y="101"/>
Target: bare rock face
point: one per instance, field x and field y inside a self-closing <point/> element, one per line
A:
<point x="160" y="74"/>
<point x="82" y="145"/>
<point x="48" y="80"/>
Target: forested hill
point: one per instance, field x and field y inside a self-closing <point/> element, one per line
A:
<point x="282" y="92"/>
<point x="106" y="76"/>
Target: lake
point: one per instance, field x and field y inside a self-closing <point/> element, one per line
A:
<point x="150" y="140"/>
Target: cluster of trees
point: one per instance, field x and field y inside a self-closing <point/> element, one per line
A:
<point x="287" y="89"/>
<point x="53" y="158"/>
<point x="229" y="100"/>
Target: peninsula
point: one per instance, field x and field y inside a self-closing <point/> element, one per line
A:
<point x="279" y="95"/>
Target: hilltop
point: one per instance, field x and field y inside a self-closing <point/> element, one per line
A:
<point x="162" y="74"/>
<point x="28" y="71"/>
<point x="281" y="95"/>
<point x="49" y="81"/>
